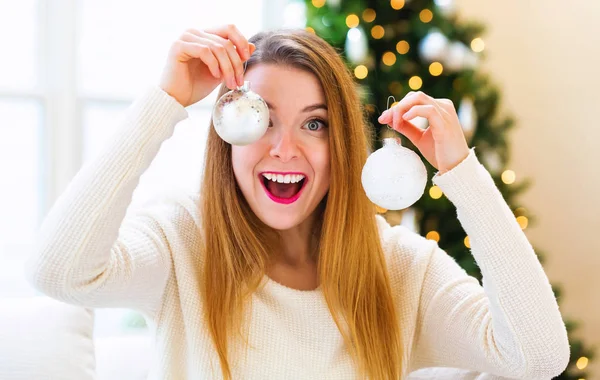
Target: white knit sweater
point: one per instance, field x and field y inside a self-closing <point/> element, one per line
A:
<point x="90" y="251"/>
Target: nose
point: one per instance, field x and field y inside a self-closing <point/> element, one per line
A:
<point x="284" y="145"/>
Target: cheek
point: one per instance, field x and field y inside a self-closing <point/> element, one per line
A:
<point x="240" y="165"/>
<point x="244" y="159"/>
<point x="322" y="164"/>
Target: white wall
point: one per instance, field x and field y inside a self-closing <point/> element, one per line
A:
<point x="545" y="55"/>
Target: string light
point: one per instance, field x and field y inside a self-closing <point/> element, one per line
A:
<point x="377" y="32"/>
<point x="380" y="210"/>
<point x="415" y="82"/>
<point x="435" y="192"/>
<point x="369" y="15"/>
<point x="389" y="58"/>
<point x="467" y="242"/>
<point x="523" y="221"/>
<point x="477" y="45"/>
<point x="402" y="47"/>
<point x="352" y="20"/>
<point x="582" y="362"/>
<point x="508" y="177"/>
<point x="395" y="87"/>
<point x="433" y="235"/>
<point x="520" y="211"/>
<point x="436" y="69"/>
<point x="426" y="15"/>
<point x="361" y="71"/>
<point x="311" y="30"/>
<point x="397" y="4"/>
<point x="318" y="3"/>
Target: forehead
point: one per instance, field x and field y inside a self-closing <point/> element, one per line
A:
<point x="285" y="87"/>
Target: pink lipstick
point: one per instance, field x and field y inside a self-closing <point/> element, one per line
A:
<point x="280" y="200"/>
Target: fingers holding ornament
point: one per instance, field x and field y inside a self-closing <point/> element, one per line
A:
<point x="403" y="111"/>
<point x="227" y="59"/>
<point x="229" y="47"/>
<point x="232" y="33"/>
<point x="231" y="59"/>
<point x="189" y="47"/>
<point x="242" y="52"/>
<point x="443" y="144"/>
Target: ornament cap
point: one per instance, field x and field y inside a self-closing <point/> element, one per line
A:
<point x="392" y="141"/>
<point x="245" y="87"/>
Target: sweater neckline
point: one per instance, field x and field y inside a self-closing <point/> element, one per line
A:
<point x="277" y="287"/>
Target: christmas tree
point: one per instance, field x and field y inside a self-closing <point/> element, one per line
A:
<point x="397" y="46"/>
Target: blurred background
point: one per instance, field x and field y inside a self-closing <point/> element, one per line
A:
<point x="524" y="74"/>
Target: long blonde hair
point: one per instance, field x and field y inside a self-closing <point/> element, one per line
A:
<point x="351" y="264"/>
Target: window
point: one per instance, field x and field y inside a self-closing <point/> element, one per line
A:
<point x="74" y="68"/>
<point x="20" y="160"/>
<point x="21" y="135"/>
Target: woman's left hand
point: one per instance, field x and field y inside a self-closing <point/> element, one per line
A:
<point x="443" y="144"/>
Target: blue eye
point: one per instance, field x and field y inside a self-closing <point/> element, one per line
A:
<point x="314" y="124"/>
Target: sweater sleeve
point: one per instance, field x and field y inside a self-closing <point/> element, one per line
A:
<point x="511" y="326"/>
<point x="87" y="252"/>
<point x="451" y="374"/>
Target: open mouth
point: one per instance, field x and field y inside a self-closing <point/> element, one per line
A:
<point x="283" y="188"/>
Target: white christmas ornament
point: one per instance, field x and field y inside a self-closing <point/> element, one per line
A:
<point x="454" y="60"/>
<point x="434" y="46"/>
<point x="460" y="57"/>
<point x="447" y="7"/>
<point x="356" y="45"/>
<point x="467" y="115"/>
<point x="492" y="160"/>
<point x="471" y="59"/>
<point x="241" y="116"/>
<point x="394" y="177"/>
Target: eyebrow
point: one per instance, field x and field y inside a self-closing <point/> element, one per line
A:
<point x="312" y="107"/>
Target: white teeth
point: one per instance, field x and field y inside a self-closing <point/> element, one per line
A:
<point x="287" y="178"/>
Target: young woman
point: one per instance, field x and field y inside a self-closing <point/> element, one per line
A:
<point x="279" y="268"/>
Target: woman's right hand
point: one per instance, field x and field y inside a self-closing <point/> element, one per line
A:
<point x="199" y="60"/>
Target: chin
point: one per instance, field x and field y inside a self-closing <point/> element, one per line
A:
<point x="280" y="221"/>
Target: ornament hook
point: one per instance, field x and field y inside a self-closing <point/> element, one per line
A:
<point x="388" y="107"/>
<point x="246" y="85"/>
<point x="388" y="101"/>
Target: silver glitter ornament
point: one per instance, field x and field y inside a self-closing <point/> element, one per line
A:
<point x="241" y="116"/>
<point x="394" y="177"/>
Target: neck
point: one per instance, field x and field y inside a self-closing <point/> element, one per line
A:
<point x="298" y="245"/>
